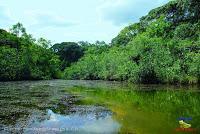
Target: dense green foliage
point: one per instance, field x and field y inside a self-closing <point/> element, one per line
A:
<point x="164" y="47"/>
<point x="21" y="58"/>
<point x="68" y="52"/>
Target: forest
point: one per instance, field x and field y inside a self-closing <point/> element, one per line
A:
<point x="163" y="47"/>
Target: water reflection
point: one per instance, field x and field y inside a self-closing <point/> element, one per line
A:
<point x="77" y="107"/>
<point x="93" y="120"/>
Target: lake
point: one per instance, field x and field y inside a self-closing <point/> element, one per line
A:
<point x="70" y="106"/>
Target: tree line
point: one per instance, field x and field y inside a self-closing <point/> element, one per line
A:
<point x="163" y="47"/>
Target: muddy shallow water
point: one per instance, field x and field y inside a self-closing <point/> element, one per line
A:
<point x="63" y="106"/>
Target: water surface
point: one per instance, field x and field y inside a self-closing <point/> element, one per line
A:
<point x="61" y="106"/>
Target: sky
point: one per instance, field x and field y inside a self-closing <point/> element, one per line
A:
<point x="74" y="20"/>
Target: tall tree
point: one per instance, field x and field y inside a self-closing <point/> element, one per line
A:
<point x="18" y="29"/>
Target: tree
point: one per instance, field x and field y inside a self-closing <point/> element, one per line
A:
<point x="18" y="29"/>
<point x="69" y="52"/>
<point x="44" y="43"/>
<point x="23" y="59"/>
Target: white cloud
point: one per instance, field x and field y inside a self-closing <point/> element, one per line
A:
<point x="74" y="20"/>
<point x="5" y="17"/>
<point x="126" y="11"/>
<point x="41" y="19"/>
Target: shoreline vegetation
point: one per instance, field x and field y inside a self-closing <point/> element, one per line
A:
<point x="162" y="48"/>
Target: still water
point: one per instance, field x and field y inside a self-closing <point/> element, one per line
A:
<point x="63" y="106"/>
